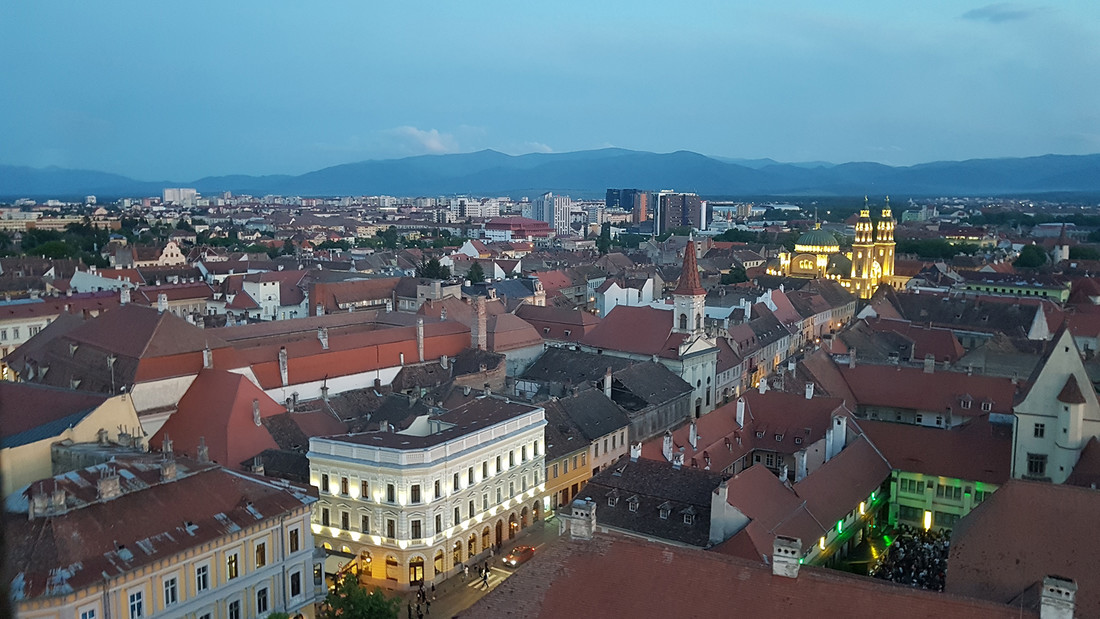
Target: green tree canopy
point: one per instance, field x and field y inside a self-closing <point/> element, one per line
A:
<point x="476" y="274"/>
<point x="432" y="269"/>
<point x="1031" y="257"/>
<point x="604" y="242"/>
<point x="350" y="600"/>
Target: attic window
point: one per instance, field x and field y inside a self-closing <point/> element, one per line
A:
<point x="568" y="332"/>
<point x="612" y="500"/>
<point x="664" y="513"/>
<point x="966" y="403"/>
<point x="632" y="503"/>
<point x="689" y="518"/>
<point x="798" y="440"/>
<point x="546" y="329"/>
<point x="778" y="437"/>
<point x="987" y="406"/>
<point x="760" y="434"/>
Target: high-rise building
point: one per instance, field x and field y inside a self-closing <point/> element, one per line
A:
<point x="554" y="210"/>
<point x="680" y="209"/>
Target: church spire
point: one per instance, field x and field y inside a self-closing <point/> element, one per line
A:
<point x="689" y="283"/>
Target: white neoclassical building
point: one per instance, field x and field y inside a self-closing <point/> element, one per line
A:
<point x="417" y="504"/>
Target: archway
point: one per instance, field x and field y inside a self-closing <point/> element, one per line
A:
<point x="365" y="563"/>
<point x="416" y="570"/>
<point x="513" y="526"/>
<point x="437" y="563"/>
<point x="456" y="553"/>
<point x="523" y="518"/>
<point x="500" y="532"/>
<point x="486" y="538"/>
<point x="392" y="568"/>
<point x="536" y="511"/>
<point x="471" y="546"/>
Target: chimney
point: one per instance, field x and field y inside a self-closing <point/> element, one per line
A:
<point x="257" y="466"/>
<point x="809" y="391"/>
<point x="324" y="393"/>
<point x="401" y="357"/>
<point x="478" y="332"/>
<point x="207" y="358"/>
<point x="840" y="433"/>
<point x="320" y="309"/>
<point x="783" y="472"/>
<point x="829" y="443"/>
<point x="420" y="338"/>
<point x="108" y="486"/>
<point x="1057" y="598"/>
<point x="322" y="334"/>
<point x="790" y="364"/>
<point x="693" y="435"/>
<point x="283" y="373"/>
<point x="167" y="469"/>
<point x="124" y="296"/>
<point x="740" y="412"/>
<point x="786" y="551"/>
<point x="162" y="302"/>
<point x="852" y="358"/>
<point x="607" y="383"/>
<point x="929" y="363"/>
<point x="799" y="465"/>
<point x="666" y="446"/>
<point x="581" y="522"/>
<point x="256" y="411"/>
<point x="102" y="436"/>
<point x="203" y="450"/>
<point x="763" y="385"/>
<point x="677" y="460"/>
<point x="166" y="445"/>
<point x="487" y="392"/>
<point x="443" y="361"/>
<point x="635" y="451"/>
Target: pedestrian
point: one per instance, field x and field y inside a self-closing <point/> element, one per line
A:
<point x="410" y="610"/>
<point x="433" y="590"/>
<point x="428" y="607"/>
<point x="465" y="571"/>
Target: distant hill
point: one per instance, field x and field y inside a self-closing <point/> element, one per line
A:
<point x="589" y="173"/>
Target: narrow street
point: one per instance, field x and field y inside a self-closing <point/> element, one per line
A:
<point x="456" y="594"/>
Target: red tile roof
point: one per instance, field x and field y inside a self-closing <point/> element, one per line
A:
<point x="940" y="343"/>
<point x="938" y="392"/>
<point x="976" y="451"/>
<point x="619" y="576"/>
<point x="218" y="407"/>
<point x="553" y="322"/>
<point x="641" y="330"/>
<point x="150" y="522"/>
<point x="1024" y="532"/>
<point x="24" y="406"/>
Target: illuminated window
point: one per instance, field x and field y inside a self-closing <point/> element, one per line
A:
<point x="261" y="554"/>
<point x="294" y="543"/>
<point x="364" y="491"/>
<point x="231" y="569"/>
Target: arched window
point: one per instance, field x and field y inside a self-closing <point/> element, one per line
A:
<point x="698" y="321"/>
<point x="683" y="321"/>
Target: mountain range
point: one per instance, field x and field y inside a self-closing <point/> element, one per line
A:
<point x="590" y="173"/>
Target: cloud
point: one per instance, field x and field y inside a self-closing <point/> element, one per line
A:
<point x="998" y="13"/>
<point x="537" y="147"/>
<point x="422" y="141"/>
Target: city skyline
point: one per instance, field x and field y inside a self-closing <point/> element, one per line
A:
<point x="181" y="92"/>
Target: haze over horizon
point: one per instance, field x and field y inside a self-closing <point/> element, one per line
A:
<point x="181" y="92"/>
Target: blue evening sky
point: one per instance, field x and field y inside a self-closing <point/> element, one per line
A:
<point x="178" y="90"/>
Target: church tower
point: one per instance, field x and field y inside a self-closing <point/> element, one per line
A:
<point x="884" y="243"/>
<point x="688" y="298"/>
<point x="863" y="255"/>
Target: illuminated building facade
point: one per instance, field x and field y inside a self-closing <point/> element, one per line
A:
<point x="869" y="263"/>
<point x="403" y="507"/>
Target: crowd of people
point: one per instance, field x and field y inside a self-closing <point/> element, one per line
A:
<point x="916" y="557"/>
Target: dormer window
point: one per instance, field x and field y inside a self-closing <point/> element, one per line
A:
<point x="664" y="514"/>
<point x="966" y="403"/>
<point x="689" y="518"/>
<point x="778" y="437"/>
<point x="987" y="406"/>
<point x="666" y="509"/>
<point x="632" y="503"/>
<point x="760" y="434"/>
<point x="798" y="440"/>
<point x="612" y="500"/>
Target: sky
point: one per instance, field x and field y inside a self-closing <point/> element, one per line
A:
<point x="182" y="90"/>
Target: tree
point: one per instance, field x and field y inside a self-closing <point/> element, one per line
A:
<point x="1084" y="253"/>
<point x="735" y="276"/>
<point x="1031" y="257"/>
<point x="604" y="242"/>
<point x="350" y="600"/>
<point x="432" y="269"/>
<point x="476" y="274"/>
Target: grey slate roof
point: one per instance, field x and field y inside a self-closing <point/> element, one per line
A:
<point x="593" y="413"/>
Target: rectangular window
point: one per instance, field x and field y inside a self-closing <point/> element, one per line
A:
<point x="416" y="532"/>
<point x="202" y="578"/>
<point x="295" y="584"/>
<point x="261" y="554"/>
<point x="344" y="486"/>
<point x="391" y="528"/>
<point x="485" y="470"/>
<point x="231" y="570"/>
<point x="235" y="609"/>
<point x="324" y="482"/>
<point x="439" y="521"/>
<point x="324" y="517"/>
<point x="88" y="614"/>
<point x="499" y="467"/>
<point x="575" y="467"/>
<point x="597" y="446"/>
<point x="500" y="495"/>
<point x="536" y="447"/>
<point x="565" y="466"/>
<point x="584" y="459"/>
<point x="1037" y="465"/>
<point x="345" y="521"/>
<point x="294" y="544"/>
<point x="469" y="476"/>
<point x="912" y="514"/>
<point x="391" y="493"/>
<point x="137" y="606"/>
<point x="613" y="437"/>
<point x="512" y="458"/>
<point x="555" y="470"/>
<point x="364" y="490"/>
<point x="523" y="453"/>
<point x="471" y="512"/>
<point x="414" y="494"/>
<point x="261" y="600"/>
<point x="364" y="523"/>
<point x="454" y="484"/>
<point x="171" y="591"/>
<point x="458" y="515"/>
<point x="484" y="502"/>
<point x="605" y="445"/>
<point x="1040" y="430"/>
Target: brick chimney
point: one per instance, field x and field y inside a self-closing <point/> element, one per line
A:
<point x="443" y="361"/>
<point x="322" y="335"/>
<point x="763" y="386"/>
<point x="108" y="485"/>
<point x="167" y="469"/>
<point x="207" y="358"/>
<point x="124" y="296"/>
<point x="479" y="330"/>
<point x="786" y="551"/>
<point x="677" y="460"/>
<point x="852" y="358"/>
<point x="929" y="363"/>
<point x="256" y="411"/>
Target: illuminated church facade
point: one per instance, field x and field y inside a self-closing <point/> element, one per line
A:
<point x="869" y="263"/>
